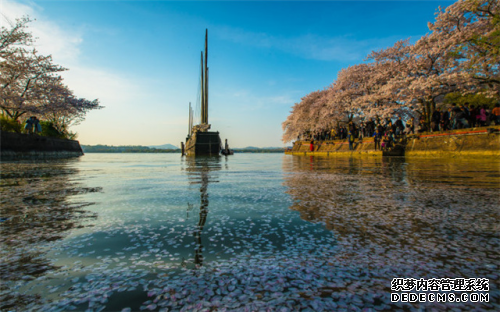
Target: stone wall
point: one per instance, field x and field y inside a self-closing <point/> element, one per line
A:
<point x="472" y="143"/>
<point x="364" y="147"/>
<point x="25" y="146"/>
<point x="469" y="143"/>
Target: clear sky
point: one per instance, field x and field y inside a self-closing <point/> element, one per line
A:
<point x="141" y="59"/>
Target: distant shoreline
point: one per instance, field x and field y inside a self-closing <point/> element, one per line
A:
<point x="90" y="149"/>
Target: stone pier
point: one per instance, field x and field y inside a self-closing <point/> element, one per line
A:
<point x="14" y="146"/>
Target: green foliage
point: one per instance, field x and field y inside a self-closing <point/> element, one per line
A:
<point x="475" y="99"/>
<point x="49" y="130"/>
<point x="494" y="36"/>
<point x="71" y="135"/>
<point x="8" y="124"/>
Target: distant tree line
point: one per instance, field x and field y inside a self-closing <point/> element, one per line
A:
<point x="145" y="149"/>
<point x="259" y="150"/>
<point x="31" y="85"/>
<point x="458" y="61"/>
<point x="125" y="149"/>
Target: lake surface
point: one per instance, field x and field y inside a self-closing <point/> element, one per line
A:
<point x="250" y="232"/>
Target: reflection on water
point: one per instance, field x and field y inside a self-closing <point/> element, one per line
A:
<point x="254" y="232"/>
<point x="201" y="170"/>
<point x="34" y="210"/>
<point x="423" y="218"/>
<point x="140" y="254"/>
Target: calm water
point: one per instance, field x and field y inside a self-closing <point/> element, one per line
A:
<point x="131" y="232"/>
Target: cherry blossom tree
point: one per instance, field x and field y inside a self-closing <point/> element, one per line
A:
<point x="349" y="87"/>
<point x="15" y="38"/>
<point x="469" y="32"/>
<point x="62" y="108"/>
<point x="302" y="117"/>
<point x="30" y="83"/>
<point x="388" y="83"/>
<point x="422" y="83"/>
<point x="25" y="78"/>
<point x="461" y="54"/>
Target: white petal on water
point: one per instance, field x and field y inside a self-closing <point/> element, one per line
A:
<point x="282" y="255"/>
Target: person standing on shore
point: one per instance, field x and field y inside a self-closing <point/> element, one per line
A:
<point x="435" y="119"/>
<point x="350" y="138"/>
<point x="410" y="126"/>
<point x="381" y="129"/>
<point x="37" y="127"/>
<point x="351" y="128"/>
<point x="461" y="118"/>
<point x="390" y="126"/>
<point x="399" y="126"/>
<point x="333" y="134"/>
<point x="376" y="139"/>
<point x="467" y="111"/>
<point x="481" y="117"/>
<point x="370" y="127"/>
<point x="445" y="120"/>
<point x="496" y="114"/>
<point x="473" y="116"/>
<point x="28" y="128"/>
<point x="421" y="125"/>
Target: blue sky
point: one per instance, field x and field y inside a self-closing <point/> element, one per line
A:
<point x="141" y="59"/>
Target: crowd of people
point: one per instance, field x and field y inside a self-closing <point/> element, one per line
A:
<point x="464" y="116"/>
<point x="386" y="133"/>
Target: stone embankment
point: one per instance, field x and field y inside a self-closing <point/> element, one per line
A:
<point x="365" y="146"/>
<point x="15" y="146"/>
<point x="481" y="142"/>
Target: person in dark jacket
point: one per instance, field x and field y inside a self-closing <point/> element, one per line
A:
<point x="381" y="129"/>
<point x="399" y="126"/>
<point x="370" y="127"/>
<point x="351" y="127"/>
<point x="461" y="119"/>
<point x="445" y="120"/>
<point x="455" y="111"/>
<point x="467" y="111"/>
<point x="376" y="139"/>
<point x="435" y="119"/>
<point x="29" y="125"/>
<point x="473" y="116"/>
<point x="37" y="127"/>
